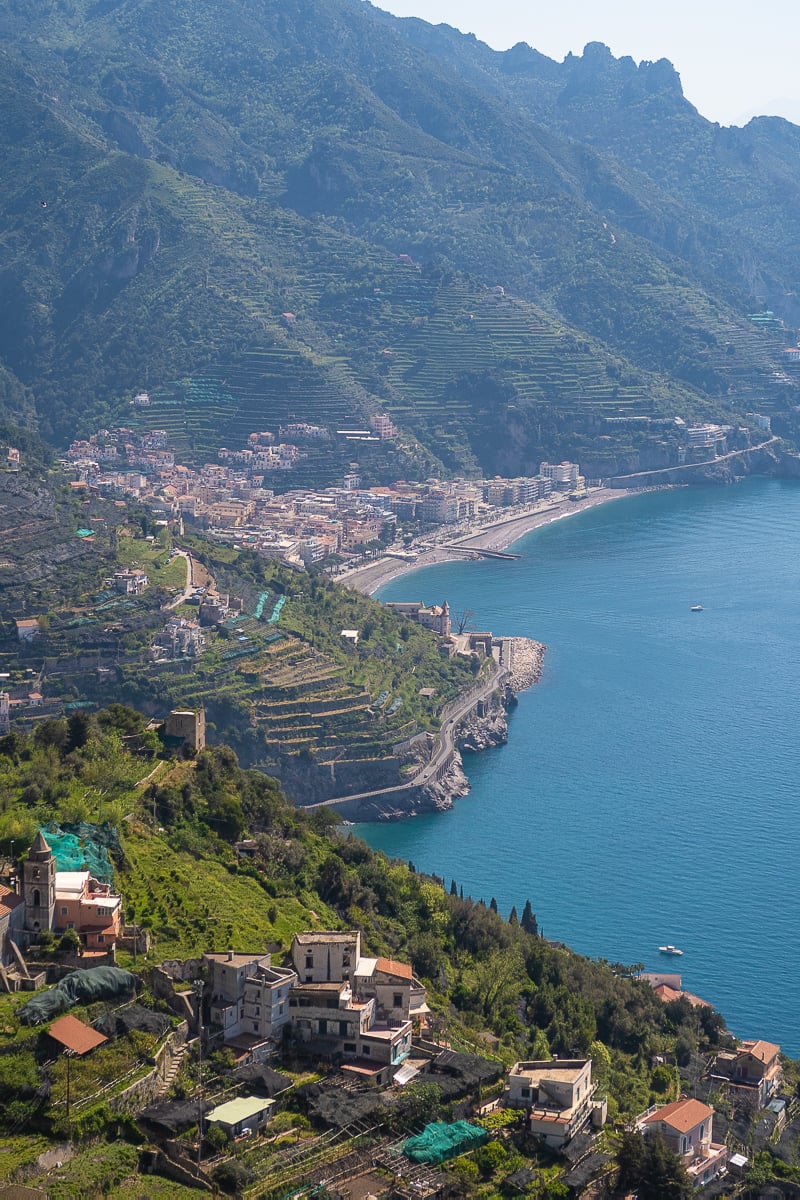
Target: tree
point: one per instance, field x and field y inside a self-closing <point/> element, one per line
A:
<point x="663" y="1174"/>
<point x="69" y="942"/>
<point x="631" y="1160"/>
<point x="513" y="919"/>
<point x="528" y="922"/>
<point x="462" y="620"/>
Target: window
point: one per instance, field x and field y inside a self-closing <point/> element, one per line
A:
<point x="525" y="1092"/>
<point x="684" y="1144"/>
<point x="309" y="978"/>
<point x="397" y="1000"/>
<point x="309" y="961"/>
<point x="702" y="1132"/>
<point x="37" y="899"/>
<point x="323" y="1027"/>
<point x="343" y="1030"/>
<point x="365" y="1050"/>
<point x="255" y="1026"/>
<point x="100" y="937"/>
<point x="64" y="910"/>
<point x="349" y="1047"/>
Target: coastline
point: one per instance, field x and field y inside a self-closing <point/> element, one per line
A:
<point x="498" y="535"/>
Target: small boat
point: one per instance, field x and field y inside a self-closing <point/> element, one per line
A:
<point x="669" y="950"/>
<point x="697" y="608"/>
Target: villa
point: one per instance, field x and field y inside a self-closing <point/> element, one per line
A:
<point x="753" y="1071"/>
<point x="687" y="1128"/>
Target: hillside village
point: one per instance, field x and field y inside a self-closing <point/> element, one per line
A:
<point x="305" y="1068"/>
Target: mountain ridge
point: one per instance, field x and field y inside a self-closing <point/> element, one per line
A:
<point x="210" y="168"/>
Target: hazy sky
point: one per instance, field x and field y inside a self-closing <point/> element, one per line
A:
<point x="736" y="58"/>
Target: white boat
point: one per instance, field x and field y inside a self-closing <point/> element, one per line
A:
<point x="669" y="950"/>
<point x="697" y="608"/>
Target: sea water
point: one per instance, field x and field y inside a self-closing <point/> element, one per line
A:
<point x="649" y="790"/>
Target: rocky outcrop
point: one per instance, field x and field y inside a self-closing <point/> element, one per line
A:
<point x="479" y="732"/>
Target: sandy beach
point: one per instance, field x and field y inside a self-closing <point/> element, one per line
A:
<point x="498" y="535"/>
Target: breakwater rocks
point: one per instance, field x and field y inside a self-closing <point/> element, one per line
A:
<point x="523" y="659"/>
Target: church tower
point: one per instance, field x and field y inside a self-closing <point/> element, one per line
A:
<point x="39" y="886"/>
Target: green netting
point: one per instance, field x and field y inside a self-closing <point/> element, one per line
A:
<point x="439" y="1141"/>
<point x="84" y="847"/>
<point x="79" y="987"/>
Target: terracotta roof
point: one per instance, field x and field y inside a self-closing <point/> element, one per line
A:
<point x="667" y="993"/>
<point x="763" y="1051"/>
<point x="390" y="966"/>
<point x="9" y="900"/>
<point x="76" y="1036"/>
<point x="681" y="1115"/>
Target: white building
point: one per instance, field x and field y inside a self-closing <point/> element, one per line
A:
<point x="249" y="997"/>
<point x="565" y="476"/>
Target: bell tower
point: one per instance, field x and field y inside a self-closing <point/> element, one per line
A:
<point x="39" y="886"/>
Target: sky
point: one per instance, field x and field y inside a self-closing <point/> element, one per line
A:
<point x="736" y="59"/>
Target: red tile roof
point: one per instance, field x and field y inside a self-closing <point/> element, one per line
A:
<point x="8" y="900"/>
<point x="76" y="1036"/>
<point x="391" y="966"/>
<point x="681" y="1115"/>
<point x="763" y="1051"/>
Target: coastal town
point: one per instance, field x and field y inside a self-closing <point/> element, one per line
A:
<point x="245" y="499"/>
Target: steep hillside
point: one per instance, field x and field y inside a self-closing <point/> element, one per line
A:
<point x="310" y="209"/>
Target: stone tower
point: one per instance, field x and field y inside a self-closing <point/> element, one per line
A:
<point x="39" y="885"/>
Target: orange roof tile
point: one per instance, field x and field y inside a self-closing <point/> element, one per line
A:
<point x="9" y="899"/>
<point x="391" y="966"/>
<point x="76" y="1036"/>
<point x="681" y="1115"/>
<point x="667" y="993"/>
<point x="763" y="1051"/>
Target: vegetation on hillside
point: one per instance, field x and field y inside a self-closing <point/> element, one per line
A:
<point x="307" y="211"/>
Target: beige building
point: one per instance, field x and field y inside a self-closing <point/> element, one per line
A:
<point x="559" y="1097"/>
<point x="188" y="726"/>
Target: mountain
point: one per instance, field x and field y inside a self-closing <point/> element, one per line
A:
<point x="316" y="210"/>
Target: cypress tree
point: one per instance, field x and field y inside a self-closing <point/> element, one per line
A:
<point x="493" y="904"/>
<point x="513" y="919"/>
<point x="528" y="921"/>
<point x="453" y="888"/>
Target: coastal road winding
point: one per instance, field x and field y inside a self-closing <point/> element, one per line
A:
<point x="444" y="745"/>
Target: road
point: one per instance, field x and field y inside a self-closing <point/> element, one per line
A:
<point x="711" y="462"/>
<point x="443" y="747"/>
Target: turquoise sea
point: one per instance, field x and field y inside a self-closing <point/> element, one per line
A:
<point x="649" y="792"/>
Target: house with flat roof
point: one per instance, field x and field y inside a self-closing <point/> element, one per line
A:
<point x="246" y="1114"/>
<point x="89" y="907"/>
<point x="687" y="1127"/>
<point x="249" y="1000"/>
<point x="357" y="1009"/>
<point x="559" y="1096"/>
